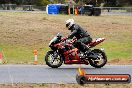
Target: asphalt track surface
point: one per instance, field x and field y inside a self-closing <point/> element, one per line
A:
<point x="44" y="74"/>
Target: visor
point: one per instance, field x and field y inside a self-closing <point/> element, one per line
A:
<point x="67" y="24"/>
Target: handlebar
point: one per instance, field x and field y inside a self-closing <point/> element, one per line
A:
<point x="64" y="39"/>
<point x="69" y="42"/>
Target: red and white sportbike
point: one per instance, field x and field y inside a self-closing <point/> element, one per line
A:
<point x="62" y="51"/>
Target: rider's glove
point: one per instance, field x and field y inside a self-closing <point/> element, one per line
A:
<point x="65" y="38"/>
<point x="68" y="40"/>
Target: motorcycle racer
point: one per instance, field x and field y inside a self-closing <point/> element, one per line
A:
<point x="75" y="49"/>
<point x="83" y="37"/>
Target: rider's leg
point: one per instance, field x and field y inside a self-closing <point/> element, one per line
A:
<point x="84" y="48"/>
<point x="87" y="51"/>
<point x="80" y="44"/>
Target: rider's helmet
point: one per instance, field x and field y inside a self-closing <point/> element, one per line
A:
<point x="69" y="23"/>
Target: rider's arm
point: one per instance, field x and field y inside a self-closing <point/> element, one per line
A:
<point x="72" y="34"/>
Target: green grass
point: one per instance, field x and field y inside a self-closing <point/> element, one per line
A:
<point x="117" y="50"/>
<point x="22" y="54"/>
<point x="17" y="54"/>
<point x="21" y="33"/>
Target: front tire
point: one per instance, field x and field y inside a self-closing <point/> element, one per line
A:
<point x="101" y="56"/>
<point x="49" y="59"/>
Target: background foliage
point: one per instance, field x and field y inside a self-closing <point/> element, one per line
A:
<point x="45" y="2"/>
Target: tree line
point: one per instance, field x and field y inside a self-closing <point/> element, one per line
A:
<point x="79" y="2"/>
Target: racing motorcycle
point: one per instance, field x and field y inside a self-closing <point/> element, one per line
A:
<point x="63" y="51"/>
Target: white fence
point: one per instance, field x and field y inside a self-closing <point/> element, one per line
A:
<point x="22" y="7"/>
<point x="116" y="10"/>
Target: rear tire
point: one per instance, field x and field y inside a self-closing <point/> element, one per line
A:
<point x="51" y="65"/>
<point x="95" y="63"/>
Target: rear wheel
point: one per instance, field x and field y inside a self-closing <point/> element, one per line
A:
<point x="100" y="61"/>
<point x="53" y="59"/>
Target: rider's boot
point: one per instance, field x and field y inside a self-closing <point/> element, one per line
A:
<point x="88" y="53"/>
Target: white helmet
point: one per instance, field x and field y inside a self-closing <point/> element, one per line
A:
<point x="69" y="23"/>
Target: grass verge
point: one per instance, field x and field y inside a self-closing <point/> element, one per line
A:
<point x="21" y="33"/>
<point x="66" y="86"/>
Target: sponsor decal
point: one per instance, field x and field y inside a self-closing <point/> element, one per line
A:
<point x="115" y="78"/>
<point x="83" y="78"/>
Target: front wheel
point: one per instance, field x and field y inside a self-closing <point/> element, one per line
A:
<point x="53" y="59"/>
<point x="100" y="61"/>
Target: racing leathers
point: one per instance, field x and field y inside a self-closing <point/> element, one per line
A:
<point x="83" y="38"/>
